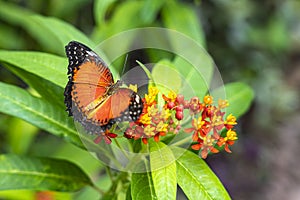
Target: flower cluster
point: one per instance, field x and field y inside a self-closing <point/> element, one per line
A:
<point x="154" y="122"/>
<point x="209" y="127"/>
<point x="163" y="115"/>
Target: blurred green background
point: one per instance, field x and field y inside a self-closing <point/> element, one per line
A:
<point x="256" y="42"/>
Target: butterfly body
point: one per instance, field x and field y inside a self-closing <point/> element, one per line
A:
<point x="91" y="95"/>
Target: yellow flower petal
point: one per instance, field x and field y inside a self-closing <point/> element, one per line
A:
<point x="231" y="135"/>
<point x="208" y="100"/>
<point x="231" y="120"/>
<point x="148" y="130"/>
<point x="172" y="96"/>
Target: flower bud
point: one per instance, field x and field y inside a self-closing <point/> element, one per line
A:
<point x="179" y="115"/>
<point x="180" y="99"/>
<point x="179" y="108"/>
<point x="170" y="104"/>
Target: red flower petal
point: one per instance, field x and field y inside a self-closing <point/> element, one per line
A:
<point x="156" y="138"/>
<point x="204" y="153"/>
<point x="107" y="140"/>
<point x="111" y="135"/>
<point x="162" y="133"/>
<point x="98" y="139"/>
<point x="145" y="140"/>
<point x="195" y="136"/>
<point x="196" y="146"/>
<point x="227" y="148"/>
<point x="214" y="150"/>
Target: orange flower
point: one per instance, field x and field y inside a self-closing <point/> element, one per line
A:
<point x="206" y="145"/>
<point x="222" y="104"/>
<point x="229" y="140"/>
<point x="208" y="100"/>
<point x="230" y="121"/>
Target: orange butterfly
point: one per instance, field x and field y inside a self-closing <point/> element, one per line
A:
<point x="91" y="95"/>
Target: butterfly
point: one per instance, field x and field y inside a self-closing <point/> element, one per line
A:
<point x="91" y="95"/>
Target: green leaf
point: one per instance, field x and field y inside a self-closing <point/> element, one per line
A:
<point x="17" y="172"/>
<point x="166" y="77"/>
<point x="197" y="72"/>
<point x="61" y="32"/>
<point x="50" y="67"/>
<point x="100" y="9"/>
<point x="63" y="9"/>
<point x="142" y="186"/>
<point x="47" y="90"/>
<point x="150" y="10"/>
<point x="182" y="18"/>
<point x="196" y="179"/>
<point x="163" y="170"/>
<point x="10" y="37"/>
<point x="239" y="96"/>
<point x="148" y="73"/>
<point x="20" y="136"/>
<point x="51" y="33"/>
<point x="125" y="17"/>
<point x="19" y="103"/>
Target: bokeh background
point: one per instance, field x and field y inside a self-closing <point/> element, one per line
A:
<point x="256" y="42"/>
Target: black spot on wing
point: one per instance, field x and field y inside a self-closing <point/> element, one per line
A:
<point x="134" y="110"/>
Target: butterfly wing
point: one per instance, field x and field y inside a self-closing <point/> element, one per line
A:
<point x="91" y="95"/>
<point x="123" y="105"/>
<point x="89" y="79"/>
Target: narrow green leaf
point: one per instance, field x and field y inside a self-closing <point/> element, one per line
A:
<point x="50" y="67"/>
<point x="196" y="179"/>
<point x="18" y="172"/>
<point x="19" y="103"/>
<point x="239" y="96"/>
<point x="163" y="170"/>
<point x="182" y="18"/>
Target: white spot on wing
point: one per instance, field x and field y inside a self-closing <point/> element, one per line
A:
<point x="137" y="98"/>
